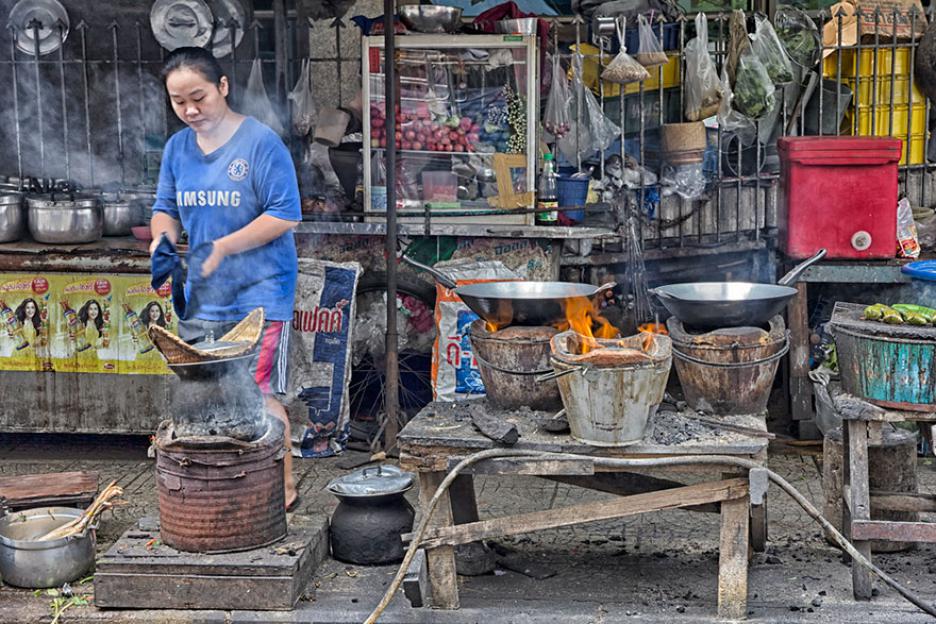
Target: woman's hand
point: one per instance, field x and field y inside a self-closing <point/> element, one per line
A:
<point x="213" y="261"/>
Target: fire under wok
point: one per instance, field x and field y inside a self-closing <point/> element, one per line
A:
<point x="511" y="302"/>
<point x="713" y="305"/>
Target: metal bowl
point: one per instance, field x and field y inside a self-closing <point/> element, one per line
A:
<point x="25" y="562"/>
<point x="431" y="19"/>
<point x="65" y="220"/>
<point x="120" y="216"/>
<point x="12" y="218"/>
<point x="520" y="26"/>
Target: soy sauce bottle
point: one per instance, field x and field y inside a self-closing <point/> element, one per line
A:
<point x="547" y="194"/>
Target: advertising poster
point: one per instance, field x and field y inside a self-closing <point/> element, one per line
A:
<point x="84" y="336"/>
<point x="140" y="306"/>
<point x="25" y="302"/>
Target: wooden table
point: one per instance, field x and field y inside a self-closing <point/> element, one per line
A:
<point x="861" y="424"/>
<point x="441" y="435"/>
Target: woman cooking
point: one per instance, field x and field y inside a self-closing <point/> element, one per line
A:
<point x="230" y="182"/>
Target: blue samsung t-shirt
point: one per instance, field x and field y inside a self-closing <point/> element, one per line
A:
<point x="216" y="194"/>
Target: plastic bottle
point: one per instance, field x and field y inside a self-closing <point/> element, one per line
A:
<point x="547" y="194"/>
<point x="138" y="330"/>
<point x="13" y="326"/>
<point x="75" y="331"/>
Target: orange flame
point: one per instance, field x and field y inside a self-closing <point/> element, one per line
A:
<point x="581" y="317"/>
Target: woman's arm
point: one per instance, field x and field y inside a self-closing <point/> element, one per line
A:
<point x="257" y="233"/>
<point x="161" y="224"/>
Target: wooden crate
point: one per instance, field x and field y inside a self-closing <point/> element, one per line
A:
<point x="139" y="572"/>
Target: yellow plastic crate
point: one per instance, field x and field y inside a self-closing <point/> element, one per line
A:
<point x="591" y="74"/>
<point x="888" y="61"/>
<point x="914" y="151"/>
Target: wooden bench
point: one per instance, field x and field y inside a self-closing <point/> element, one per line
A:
<point x="441" y="435"/>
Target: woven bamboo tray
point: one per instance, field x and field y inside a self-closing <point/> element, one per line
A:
<point x="243" y="339"/>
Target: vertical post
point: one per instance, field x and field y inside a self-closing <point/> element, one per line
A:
<point x="82" y="28"/>
<point x="140" y="91"/>
<point x="61" y="63"/>
<point x="36" y="25"/>
<point x="16" y="113"/>
<point x="279" y="47"/>
<point x="120" y="145"/>
<point x="392" y="394"/>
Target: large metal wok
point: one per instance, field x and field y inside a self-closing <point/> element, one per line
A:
<point x="713" y="305"/>
<point x="517" y="302"/>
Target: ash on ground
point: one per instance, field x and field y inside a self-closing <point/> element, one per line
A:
<point x="671" y="428"/>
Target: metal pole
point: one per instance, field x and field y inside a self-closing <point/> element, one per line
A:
<point x="16" y="111"/>
<point x="36" y="25"/>
<point x="61" y="63"/>
<point x="120" y="144"/>
<point x="391" y="396"/>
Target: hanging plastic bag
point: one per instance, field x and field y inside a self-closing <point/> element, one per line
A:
<point x="731" y="121"/>
<point x="651" y="52"/>
<point x="908" y="244"/>
<point x="799" y="35"/>
<point x="591" y="130"/>
<point x="623" y="69"/>
<point x="558" y="118"/>
<point x="703" y="88"/>
<point x="303" y="102"/>
<point x="770" y="52"/>
<point x="753" y="90"/>
<point x="256" y="103"/>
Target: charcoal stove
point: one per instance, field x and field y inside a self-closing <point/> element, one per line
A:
<point x="728" y="371"/>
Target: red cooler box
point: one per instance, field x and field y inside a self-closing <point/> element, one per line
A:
<point x="839" y="193"/>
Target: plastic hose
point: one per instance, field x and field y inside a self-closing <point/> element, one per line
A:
<point x="695" y="460"/>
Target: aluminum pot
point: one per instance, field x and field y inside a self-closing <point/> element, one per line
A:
<point x="58" y="218"/>
<point x="25" y="562"/>
<point x="120" y="216"/>
<point x="12" y="217"/>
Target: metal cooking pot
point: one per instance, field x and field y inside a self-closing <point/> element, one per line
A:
<point x="511" y="302"/>
<point x="25" y="562"/>
<point x="65" y="218"/>
<point x="120" y="216"/>
<point x="12" y="217"/>
<point x="713" y="305"/>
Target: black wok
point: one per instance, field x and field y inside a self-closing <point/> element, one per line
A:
<point x="713" y="305"/>
<point x="510" y="302"/>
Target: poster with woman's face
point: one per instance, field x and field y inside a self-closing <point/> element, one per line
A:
<point x="143" y="308"/>
<point x="85" y="337"/>
<point x="24" y="323"/>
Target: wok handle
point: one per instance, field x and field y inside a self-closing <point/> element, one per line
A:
<point x="796" y="271"/>
<point x="605" y="287"/>
<point x="439" y="277"/>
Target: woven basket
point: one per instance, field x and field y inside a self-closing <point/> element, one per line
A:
<point x="245" y="335"/>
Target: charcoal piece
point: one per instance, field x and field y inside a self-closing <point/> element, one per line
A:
<point x="499" y="430"/>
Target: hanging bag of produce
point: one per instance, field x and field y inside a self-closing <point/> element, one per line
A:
<point x="256" y="103"/>
<point x="303" y="102"/>
<point x="591" y="130"/>
<point x="753" y="89"/>
<point x="623" y="69"/>
<point x="799" y="35"/>
<point x="703" y="89"/>
<point x="558" y="118"/>
<point x="770" y="52"/>
<point x="650" y="53"/>
<point x="731" y="121"/>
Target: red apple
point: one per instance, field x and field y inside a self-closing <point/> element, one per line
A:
<point x="417" y="145"/>
<point x="409" y="135"/>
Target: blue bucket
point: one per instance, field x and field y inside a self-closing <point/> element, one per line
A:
<point x="572" y="192"/>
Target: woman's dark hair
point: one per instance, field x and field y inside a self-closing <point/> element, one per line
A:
<point x="196" y="59"/>
<point x="144" y="314"/>
<point x="83" y="314"/>
<point x="21" y="313"/>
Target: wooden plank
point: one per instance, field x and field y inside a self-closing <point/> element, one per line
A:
<point x="859" y="509"/>
<point x="416" y="582"/>
<point x="902" y="501"/>
<point x="733" y="559"/>
<point x="48" y="489"/>
<point x="800" y="386"/>
<point x="161" y="591"/>
<point x="441" y="560"/>
<point x="893" y="531"/>
<point x="627" y="483"/>
<point x="536" y="467"/>
<point x="709" y="492"/>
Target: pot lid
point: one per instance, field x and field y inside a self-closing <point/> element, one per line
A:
<point x="52" y="18"/>
<point x="377" y="480"/>
<point x="178" y="23"/>
<point x="61" y="200"/>
<point x="10" y="198"/>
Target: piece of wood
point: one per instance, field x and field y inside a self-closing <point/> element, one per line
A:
<point x="133" y="575"/>
<point x="853" y="408"/>
<point x="759" y="528"/>
<point x="859" y="507"/>
<point x="536" y="467"/>
<point x="733" y="559"/>
<point x="441" y="559"/>
<point x="416" y="581"/>
<point x="472" y="559"/>
<point x="627" y="483"/>
<point x="708" y="492"/>
<point x="902" y="501"/>
<point x="800" y="385"/>
<point x="497" y="429"/>
<point x="53" y="489"/>
<point x="890" y="530"/>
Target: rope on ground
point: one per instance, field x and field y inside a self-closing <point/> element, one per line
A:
<point x="710" y="460"/>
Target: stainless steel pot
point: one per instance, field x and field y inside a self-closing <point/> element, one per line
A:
<point x="25" y="562"/>
<point x="12" y="217"/>
<point x="65" y="218"/>
<point x="120" y="216"/>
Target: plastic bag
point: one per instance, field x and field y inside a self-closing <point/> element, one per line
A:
<point x="798" y="34"/>
<point x="557" y="118"/>
<point x="770" y="51"/>
<point x="256" y="103"/>
<point x="591" y="130"/>
<point x="730" y="120"/>
<point x="703" y="89"/>
<point x="623" y="69"/>
<point x="303" y="102"/>
<point x="651" y="52"/>
<point x="753" y="89"/>
<point x="908" y="245"/>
